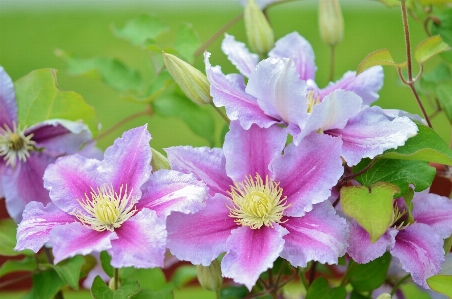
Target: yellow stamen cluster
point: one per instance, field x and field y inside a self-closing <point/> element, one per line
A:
<point x="312" y="99"/>
<point x="398" y="214"/>
<point x="14" y="145"/>
<point x="257" y="203"/>
<point x="106" y="209"/>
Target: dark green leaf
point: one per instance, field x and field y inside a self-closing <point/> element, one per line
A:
<point x="444" y="29"/>
<point x="8" y="230"/>
<point x="236" y="292"/>
<point x="398" y="172"/>
<point x="99" y="290"/>
<point x="183" y="275"/>
<point x="367" y="277"/>
<point x="356" y="295"/>
<point x="69" y="270"/>
<point x="321" y="290"/>
<point x="187" y="41"/>
<point x="105" y="260"/>
<point x="141" y="30"/>
<point x="28" y="263"/>
<point x="444" y="92"/>
<point x="127" y="289"/>
<point x="46" y="285"/>
<point x="164" y="293"/>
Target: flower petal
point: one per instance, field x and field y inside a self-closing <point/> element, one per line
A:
<point x="366" y="85"/>
<point x="141" y="242"/>
<point x="251" y="252"/>
<point x="294" y="46"/>
<point x="435" y="211"/>
<point x="250" y="151"/>
<point x="371" y="132"/>
<point x="75" y="238"/>
<point x="24" y="184"/>
<point x="320" y="235"/>
<point x="34" y="229"/>
<point x="307" y="172"/>
<point x="279" y="91"/>
<point x="420" y="251"/>
<point x="209" y="165"/>
<point x="172" y="191"/>
<point x="239" y="55"/>
<point x="8" y="105"/>
<point x="201" y="237"/>
<point x="362" y="250"/>
<point x="229" y="91"/>
<point x="59" y="136"/>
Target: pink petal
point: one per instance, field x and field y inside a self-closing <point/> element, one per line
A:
<point x="435" y="211"/>
<point x="239" y="55"/>
<point x="307" y="172"/>
<point x="201" y="237"/>
<point x="420" y="250"/>
<point x="172" y="191"/>
<point x="141" y="242"/>
<point x="250" y="151"/>
<point x="208" y="165"/>
<point x="8" y="105"/>
<point x="38" y="221"/>
<point x="320" y="235"/>
<point x="299" y="49"/>
<point x="251" y="252"/>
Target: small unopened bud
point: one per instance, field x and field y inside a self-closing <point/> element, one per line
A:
<point x="159" y="161"/>
<point x="258" y="31"/>
<point x="194" y="83"/>
<point x="210" y="277"/>
<point x="384" y="296"/>
<point x="112" y="286"/>
<point x="331" y="22"/>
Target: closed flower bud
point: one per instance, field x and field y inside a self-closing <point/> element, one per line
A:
<point x="331" y="22"/>
<point x="210" y="277"/>
<point x="159" y="161"/>
<point x="194" y="83"/>
<point x="259" y="32"/>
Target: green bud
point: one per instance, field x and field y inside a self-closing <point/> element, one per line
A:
<point x="159" y="161"/>
<point x="331" y="22"/>
<point x="384" y="296"/>
<point x="259" y="32"/>
<point x="112" y="286"/>
<point x="210" y="277"/>
<point x="194" y="83"/>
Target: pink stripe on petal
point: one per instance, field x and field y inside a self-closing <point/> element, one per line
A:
<point x="172" y="191"/>
<point x="201" y="237"/>
<point x="435" y="211"/>
<point x="250" y="151"/>
<point x="307" y="172"/>
<point x="75" y="238"/>
<point x="34" y="229"/>
<point x="8" y="105"/>
<point x="420" y="250"/>
<point x="320" y="235"/>
<point x="251" y="252"/>
<point x="141" y="242"/>
<point x="208" y="165"/>
<point x="239" y="55"/>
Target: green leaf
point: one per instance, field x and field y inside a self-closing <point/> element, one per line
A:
<point x="430" y="47"/>
<point x="370" y="207"/>
<point x="367" y="277"/>
<point x="111" y="71"/>
<point x="444" y="29"/>
<point x="28" y="263"/>
<point x="187" y="41"/>
<point x="430" y="80"/>
<point x="152" y="279"/>
<point x="163" y="293"/>
<point x="235" y="292"/>
<point x="356" y="295"/>
<point x="69" y="270"/>
<point x="321" y="290"/>
<point x="105" y="261"/>
<point x="427" y="145"/>
<point x="39" y="99"/>
<point x="99" y="290"/>
<point x="157" y="87"/>
<point x="46" y="284"/>
<point x="401" y="173"/>
<point x="379" y="57"/>
<point x="199" y="120"/>
<point x="435" y="2"/>
<point x="444" y="92"/>
<point x="141" y="30"/>
<point x="8" y="230"/>
<point x="441" y="284"/>
<point x="183" y="275"/>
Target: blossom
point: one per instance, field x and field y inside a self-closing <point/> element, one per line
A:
<point x="26" y="152"/>
<point x="115" y="205"/>
<point x="417" y="244"/>
<point x="262" y="205"/>
<point x="281" y="90"/>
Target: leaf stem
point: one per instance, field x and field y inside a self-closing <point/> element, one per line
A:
<point x="312" y="272"/>
<point x="350" y="267"/>
<point x="397" y="285"/>
<point x="49" y="257"/>
<point x="17" y="279"/>
<point x="303" y="279"/>
<point x="332" y="60"/>
<point x="221" y="113"/>
<point x="116" y="279"/>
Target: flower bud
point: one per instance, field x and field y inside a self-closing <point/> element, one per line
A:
<point x="331" y="22"/>
<point x="210" y="277"/>
<point x="384" y="296"/>
<point x="258" y="31"/>
<point x="159" y="161"/>
<point x="194" y="83"/>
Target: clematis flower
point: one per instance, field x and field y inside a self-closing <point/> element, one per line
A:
<point x="26" y="152"/>
<point x="262" y="205"/>
<point x="417" y="244"/>
<point x="281" y="90"/>
<point x="115" y="205"/>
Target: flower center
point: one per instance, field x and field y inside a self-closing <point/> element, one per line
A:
<point x="401" y="218"/>
<point x="256" y="203"/>
<point x="312" y="99"/>
<point x="106" y="209"/>
<point x="14" y="145"/>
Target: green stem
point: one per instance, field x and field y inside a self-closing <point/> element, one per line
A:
<point x="221" y="113"/>
<point x="17" y="279"/>
<point x="312" y="272"/>
<point x="218" y="294"/>
<point x="350" y="267"/>
<point x="116" y="279"/>
<point x="397" y="285"/>
<point x="332" y="60"/>
<point x="303" y="280"/>
<point x="49" y="257"/>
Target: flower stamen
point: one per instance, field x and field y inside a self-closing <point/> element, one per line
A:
<point x="14" y="145"/>
<point x="312" y="98"/>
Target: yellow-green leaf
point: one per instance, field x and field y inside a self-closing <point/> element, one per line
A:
<point x="441" y="284"/>
<point x="379" y="57"/>
<point x="429" y="48"/>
